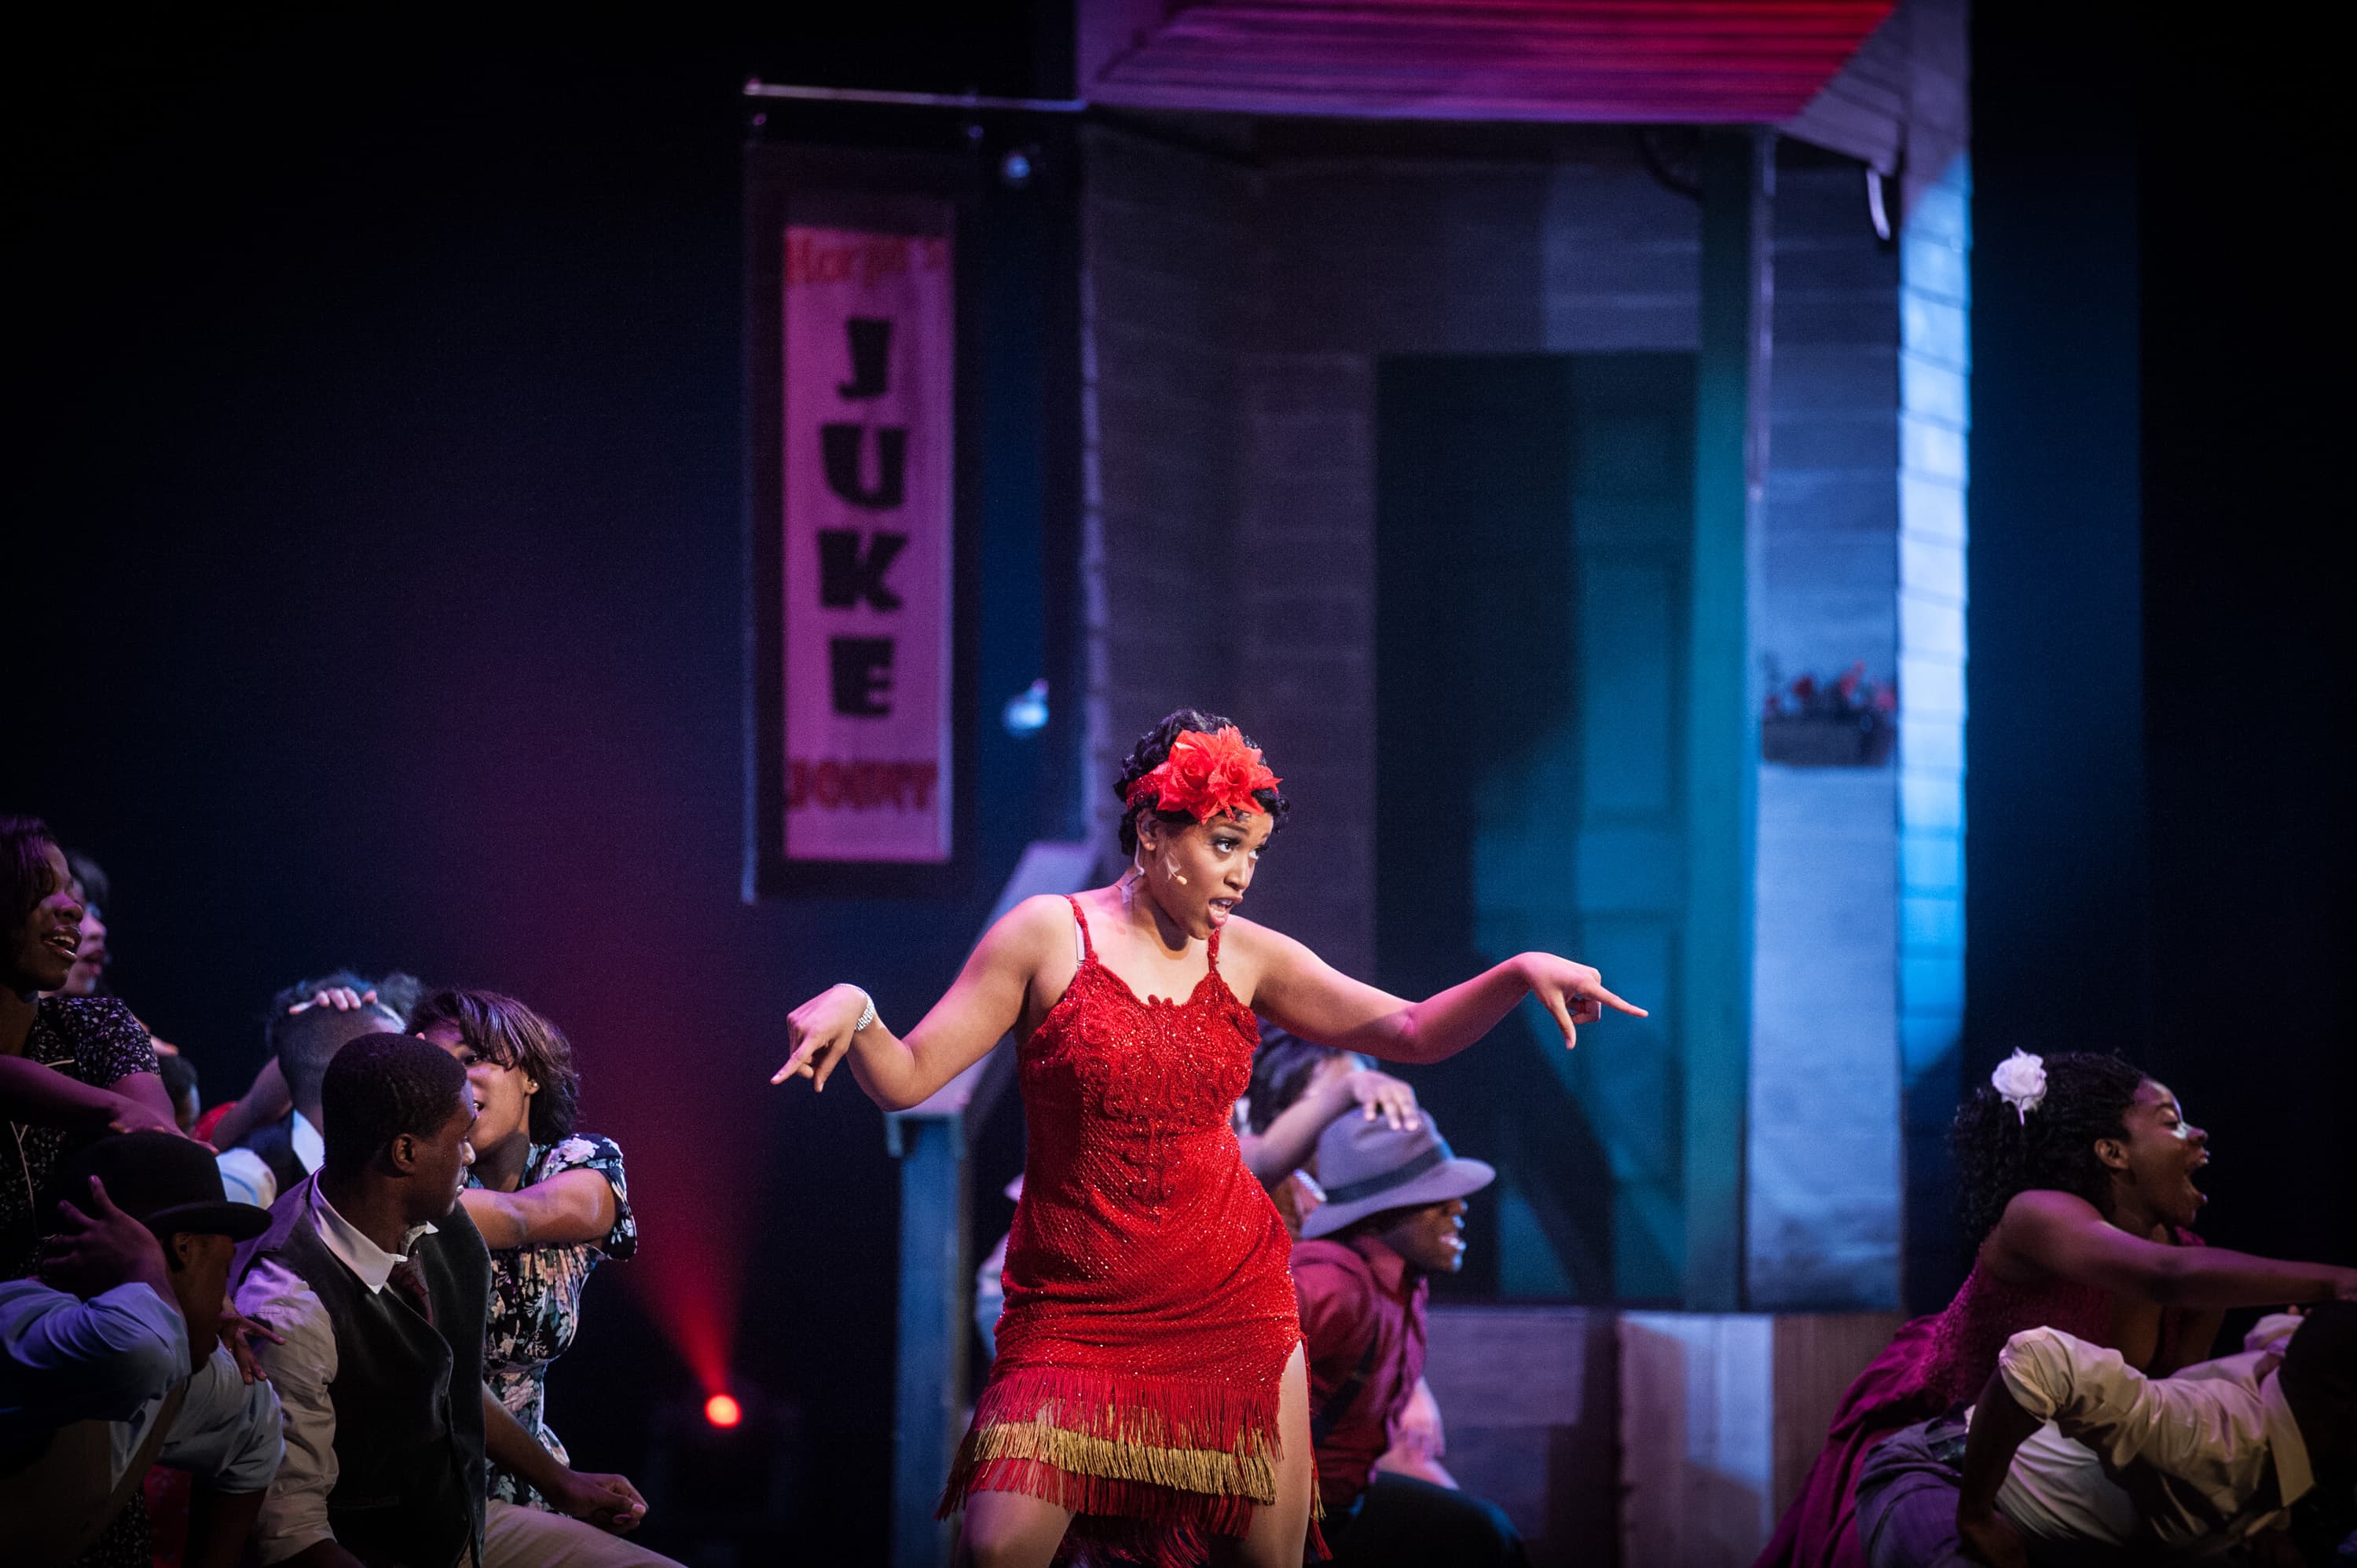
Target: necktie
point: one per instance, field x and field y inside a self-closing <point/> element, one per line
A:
<point x="410" y="1281"/>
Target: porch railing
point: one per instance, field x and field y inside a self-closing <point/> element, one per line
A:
<point x="931" y="1140"/>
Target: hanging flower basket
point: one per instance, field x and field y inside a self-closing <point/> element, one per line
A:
<point x="1849" y="723"/>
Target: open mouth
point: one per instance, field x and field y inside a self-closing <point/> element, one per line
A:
<point x="1223" y="907"/>
<point x="66" y="942"/>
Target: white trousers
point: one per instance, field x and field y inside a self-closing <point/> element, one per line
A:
<point x="515" y="1536"/>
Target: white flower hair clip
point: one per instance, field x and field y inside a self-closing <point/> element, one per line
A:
<point x="2020" y="1079"/>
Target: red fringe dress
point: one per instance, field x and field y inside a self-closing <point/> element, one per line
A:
<point x="1150" y="1309"/>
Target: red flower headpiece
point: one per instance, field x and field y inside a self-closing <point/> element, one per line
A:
<point x="1205" y="776"/>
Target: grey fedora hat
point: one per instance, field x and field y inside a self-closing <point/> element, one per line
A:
<point x="1366" y="1167"/>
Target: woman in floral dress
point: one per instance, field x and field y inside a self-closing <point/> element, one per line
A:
<point x="549" y="1202"/>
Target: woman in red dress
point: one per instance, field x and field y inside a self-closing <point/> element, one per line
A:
<point x="1148" y="1393"/>
<point x="2076" y="1176"/>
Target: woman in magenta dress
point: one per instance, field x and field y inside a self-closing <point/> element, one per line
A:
<point x="1148" y="1392"/>
<point x="2075" y="1174"/>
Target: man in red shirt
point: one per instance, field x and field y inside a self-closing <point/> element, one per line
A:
<point x="1394" y="1212"/>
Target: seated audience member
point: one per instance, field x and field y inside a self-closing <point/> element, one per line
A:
<point x="2073" y="1455"/>
<point x="70" y="1067"/>
<point x="88" y="975"/>
<point x="179" y="1075"/>
<point x="549" y="1202"/>
<point x="97" y="1378"/>
<point x="1395" y="1214"/>
<point x="379" y="1287"/>
<point x="307" y="1023"/>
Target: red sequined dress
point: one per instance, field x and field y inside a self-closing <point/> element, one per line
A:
<point x="1150" y="1309"/>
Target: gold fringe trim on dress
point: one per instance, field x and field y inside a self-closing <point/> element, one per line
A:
<point x="1242" y="1473"/>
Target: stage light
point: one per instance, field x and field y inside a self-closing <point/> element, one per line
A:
<point x="1026" y="712"/>
<point x="722" y="1409"/>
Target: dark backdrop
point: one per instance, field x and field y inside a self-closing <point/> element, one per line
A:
<point x="375" y="586"/>
<point x="2160" y="843"/>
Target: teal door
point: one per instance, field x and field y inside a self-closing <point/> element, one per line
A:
<point x="1535" y="516"/>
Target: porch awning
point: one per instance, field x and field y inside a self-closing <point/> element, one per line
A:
<point x="1658" y="61"/>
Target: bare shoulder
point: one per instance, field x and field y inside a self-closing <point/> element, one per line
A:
<point x="1253" y="954"/>
<point x="2043" y="1207"/>
<point x="1028" y="933"/>
<point x="2034" y="1224"/>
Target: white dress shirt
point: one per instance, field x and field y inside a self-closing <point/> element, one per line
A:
<point x="295" y="1514"/>
<point x="2193" y="1463"/>
<point x="250" y="1180"/>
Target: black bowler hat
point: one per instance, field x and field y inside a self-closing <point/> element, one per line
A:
<point x="167" y="1183"/>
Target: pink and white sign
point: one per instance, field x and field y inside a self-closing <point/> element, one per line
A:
<point x="869" y="374"/>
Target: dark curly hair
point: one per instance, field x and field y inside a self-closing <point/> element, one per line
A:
<point x="504" y="1031"/>
<point x="1152" y="749"/>
<point x="2000" y="1153"/>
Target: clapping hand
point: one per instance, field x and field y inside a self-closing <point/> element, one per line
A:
<point x="1574" y="992"/>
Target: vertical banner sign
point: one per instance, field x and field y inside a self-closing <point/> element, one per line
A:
<point x="868" y="377"/>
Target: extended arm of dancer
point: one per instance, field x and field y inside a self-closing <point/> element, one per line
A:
<point x="2064" y="1235"/>
<point x="984" y="1003"/>
<point x="1301" y="992"/>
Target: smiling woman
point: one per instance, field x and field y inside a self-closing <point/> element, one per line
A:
<point x="1148" y="1391"/>
<point x="70" y="1068"/>
<point x="2076" y="1180"/>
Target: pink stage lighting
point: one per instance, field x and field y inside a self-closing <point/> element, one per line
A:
<point x="722" y="1409"/>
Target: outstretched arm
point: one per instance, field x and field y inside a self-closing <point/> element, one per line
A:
<point x="986" y="1002"/>
<point x="1301" y="992"/>
<point x="570" y="1206"/>
<point x="2066" y="1237"/>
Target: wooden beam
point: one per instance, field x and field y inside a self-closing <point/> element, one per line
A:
<point x="1722" y="724"/>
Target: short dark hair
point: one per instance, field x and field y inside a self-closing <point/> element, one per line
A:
<point x="503" y="1030"/>
<point x="179" y="1075"/>
<point x="2001" y="1151"/>
<point x="1281" y="1072"/>
<point x="2321" y="1359"/>
<point x="383" y="1087"/>
<point x="306" y="1042"/>
<point x="25" y="875"/>
<point x="92" y="878"/>
<point x="1153" y="748"/>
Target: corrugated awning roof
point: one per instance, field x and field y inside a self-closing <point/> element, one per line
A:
<point x="1685" y="61"/>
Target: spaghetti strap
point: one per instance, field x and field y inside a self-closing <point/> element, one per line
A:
<point x="1212" y="952"/>
<point x="1087" y="947"/>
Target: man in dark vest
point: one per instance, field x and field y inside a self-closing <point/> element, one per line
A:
<point x="1394" y="1213"/>
<point x="378" y="1284"/>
